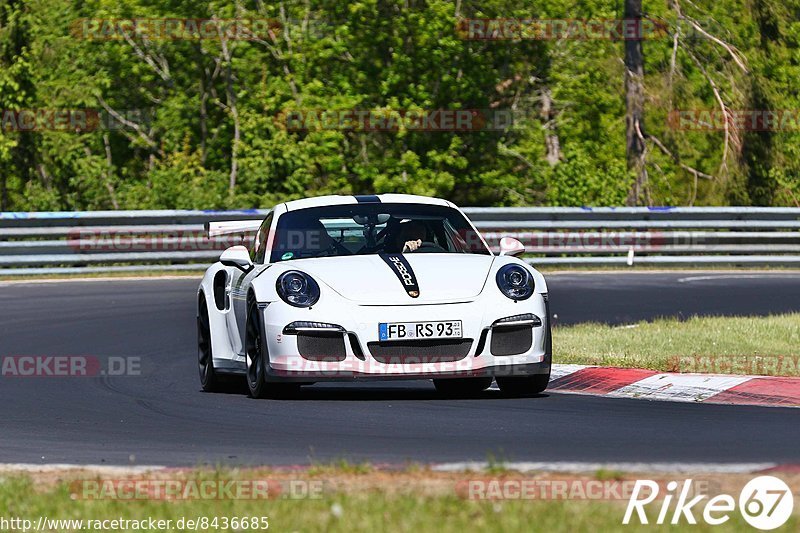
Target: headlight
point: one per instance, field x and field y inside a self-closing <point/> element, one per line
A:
<point x="515" y="282"/>
<point x="297" y="288"/>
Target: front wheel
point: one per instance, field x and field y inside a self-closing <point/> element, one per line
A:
<point x="257" y="357"/>
<point x="531" y="385"/>
<point x="254" y="351"/>
<point x="462" y="386"/>
<point x="209" y="379"/>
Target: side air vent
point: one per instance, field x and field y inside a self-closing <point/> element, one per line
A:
<point x="356" y="346"/>
<point x="220" y="281"/>
<point x="481" y="342"/>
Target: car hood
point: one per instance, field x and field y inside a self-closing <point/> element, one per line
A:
<point x="369" y="280"/>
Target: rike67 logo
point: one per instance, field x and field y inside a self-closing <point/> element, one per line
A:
<point x="765" y="503"/>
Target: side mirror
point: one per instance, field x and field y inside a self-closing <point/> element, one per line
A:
<point x="511" y="246"/>
<point x="237" y="256"/>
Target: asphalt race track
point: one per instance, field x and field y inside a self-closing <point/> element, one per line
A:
<point x="161" y="417"/>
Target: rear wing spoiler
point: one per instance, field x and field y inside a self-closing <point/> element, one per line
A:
<point x="231" y="227"/>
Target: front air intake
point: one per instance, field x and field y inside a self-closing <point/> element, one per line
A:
<point x="321" y="346"/>
<point x="511" y="340"/>
<point x="420" y="351"/>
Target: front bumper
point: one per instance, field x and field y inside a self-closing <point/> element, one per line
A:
<point x="358" y="357"/>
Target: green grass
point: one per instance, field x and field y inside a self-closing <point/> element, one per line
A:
<point x="356" y="509"/>
<point x="728" y="345"/>
<point x="341" y="466"/>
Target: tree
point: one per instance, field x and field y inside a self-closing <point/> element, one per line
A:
<point x="635" y="148"/>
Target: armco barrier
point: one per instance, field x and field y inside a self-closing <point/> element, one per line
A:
<point x="103" y="241"/>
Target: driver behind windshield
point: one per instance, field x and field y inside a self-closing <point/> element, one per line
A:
<point x="409" y="236"/>
<point x="365" y="228"/>
<point x="308" y="239"/>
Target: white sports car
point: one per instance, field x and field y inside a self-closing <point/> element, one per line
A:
<point x="372" y="287"/>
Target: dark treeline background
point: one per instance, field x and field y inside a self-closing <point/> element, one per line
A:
<point x="209" y="137"/>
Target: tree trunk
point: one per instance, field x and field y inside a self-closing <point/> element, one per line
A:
<point x="112" y="193"/>
<point x="231" y="98"/>
<point x="552" y="144"/>
<point x="758" y="146"/>
<point x="634" y="107"/>
<point x="19" y="169"/>
<point x="3" y="192"/>
<point x="203" y="109"/>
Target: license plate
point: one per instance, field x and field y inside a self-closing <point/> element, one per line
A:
<point x="446" y="329"/>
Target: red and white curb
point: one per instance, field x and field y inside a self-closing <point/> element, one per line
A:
<point x="652" y="385"/>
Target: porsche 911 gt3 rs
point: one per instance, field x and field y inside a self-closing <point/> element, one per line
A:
<point x="372" y="287"/>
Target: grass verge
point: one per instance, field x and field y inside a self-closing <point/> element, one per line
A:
<point x="362" y="499"/>
<point x="726" y="345"/>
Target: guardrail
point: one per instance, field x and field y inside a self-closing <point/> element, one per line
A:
<point x="103" y="241"/>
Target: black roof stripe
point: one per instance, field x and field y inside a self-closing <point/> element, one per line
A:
<point x="367" y="198"/>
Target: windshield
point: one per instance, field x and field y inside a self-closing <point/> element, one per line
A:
<point x="362" y="229"/>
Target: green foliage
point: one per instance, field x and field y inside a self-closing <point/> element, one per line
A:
<point x="204" y="120"/>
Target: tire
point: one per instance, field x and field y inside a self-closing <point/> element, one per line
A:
<point x="462" y="386"/>
<point x="257" y="357"/>
<point x="524" y="386"/>
<point x="530" y="385"/>
<point x="210" y="381"/>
